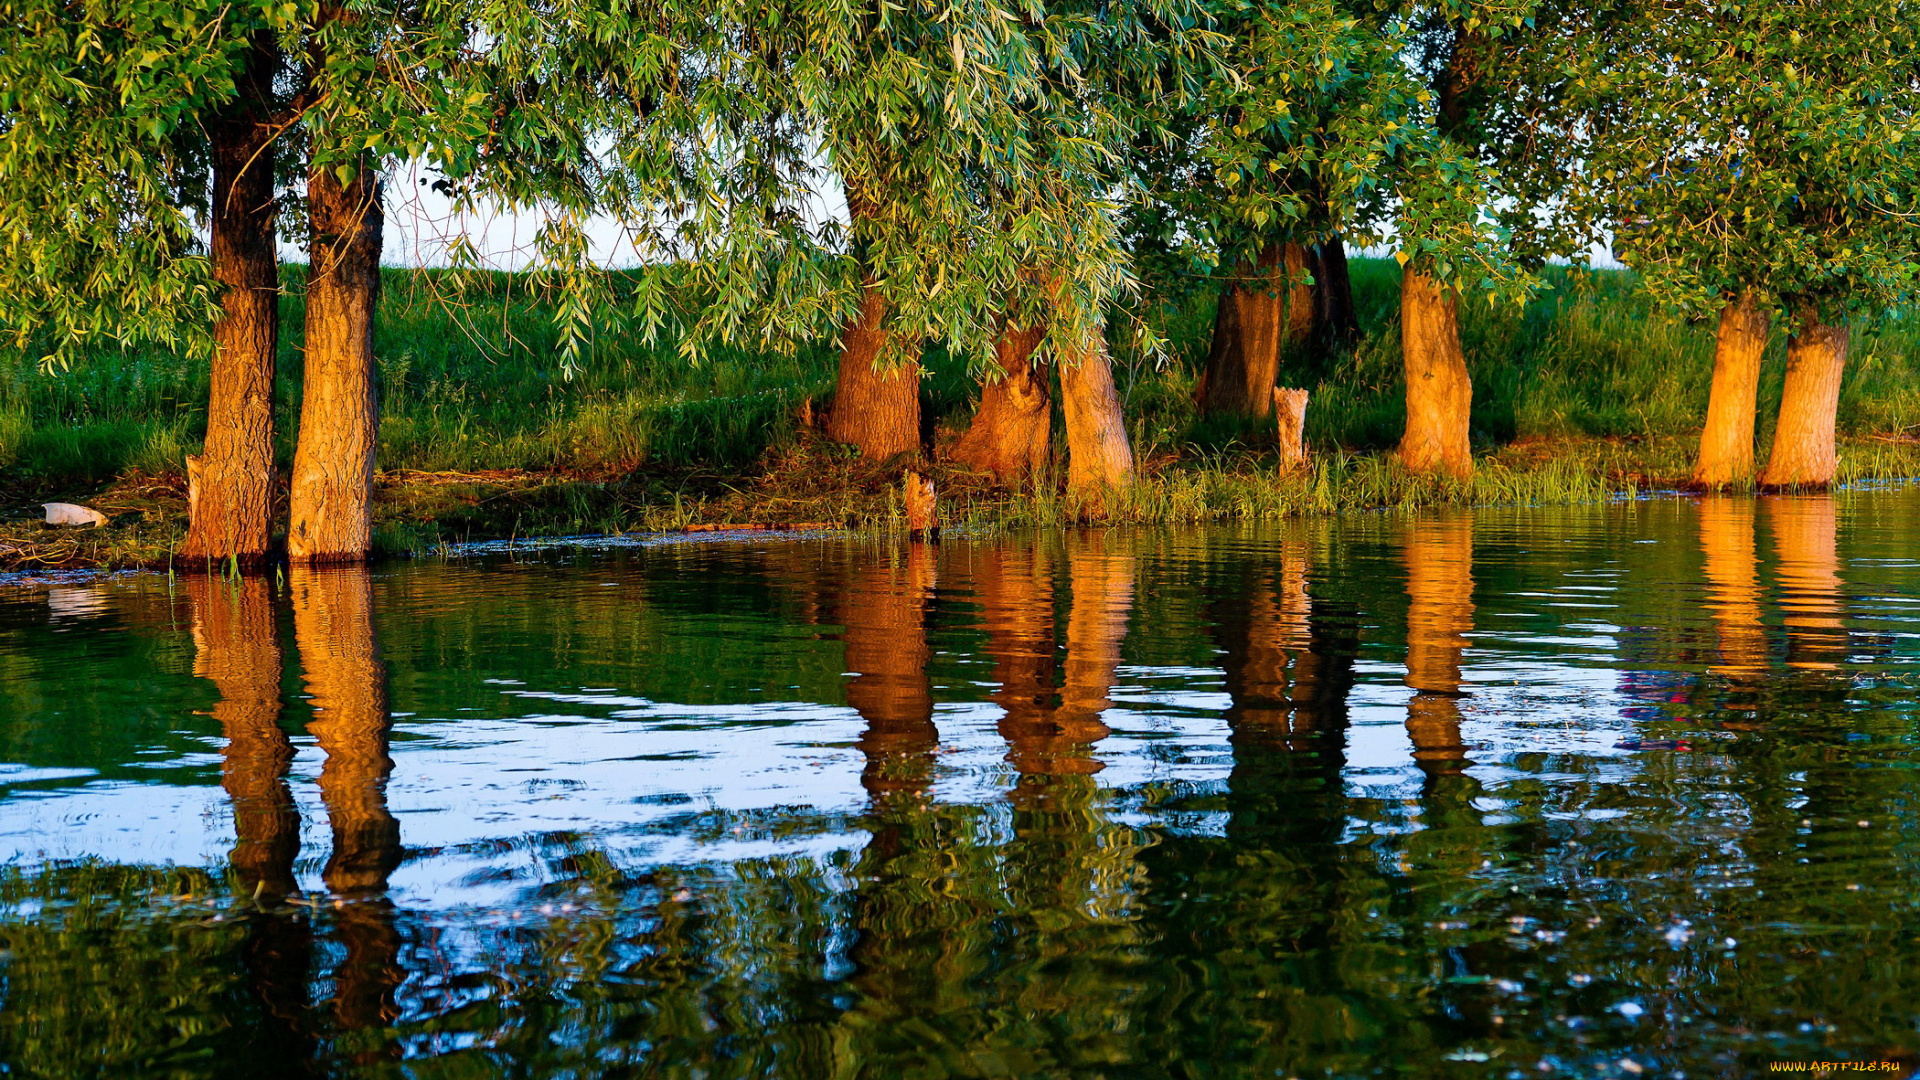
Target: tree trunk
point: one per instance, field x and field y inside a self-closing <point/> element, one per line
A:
<point x="1246" y="340"/>
<point x="1098" y="456"/>
<point x="1300" y="312"/>
<point x="1803" y="448"/>
<point x="231" y="509"/>
<point x="1439" y="393"/>
<point x="877" y="411"/>
<point x="1290" y="422"/>
<point x="1726" y="442"/>
<point x="1333" y="298"/>
<point x="339" y="418"/>
<point x="1012" y="430"/>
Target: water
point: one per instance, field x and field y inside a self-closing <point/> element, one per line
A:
<point x="1621" y="791"/>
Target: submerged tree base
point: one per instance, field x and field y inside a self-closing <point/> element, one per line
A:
<point x="814" y="484"/>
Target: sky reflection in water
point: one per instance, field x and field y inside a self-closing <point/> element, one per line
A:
<point x="1617" y="791"/>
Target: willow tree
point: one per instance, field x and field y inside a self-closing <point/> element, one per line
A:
<point x="1754" y="162"/>
<point x="919" y="119"/>
<point x="1107" y="72"/>
<point x="1265" y="164"/>
<point x="124" y="130"/>
<point x="131" y="127"/>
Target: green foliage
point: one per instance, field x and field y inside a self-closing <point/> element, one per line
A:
<point x="100" y="175"/>
<point x="1762" y="145"/>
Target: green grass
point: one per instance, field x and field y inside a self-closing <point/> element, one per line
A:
<point x="1589" y="389"/>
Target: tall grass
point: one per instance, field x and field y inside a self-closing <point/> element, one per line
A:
<point x="470" y="381"/>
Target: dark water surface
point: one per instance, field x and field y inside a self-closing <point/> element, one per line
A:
<point x="1622" y="791"/>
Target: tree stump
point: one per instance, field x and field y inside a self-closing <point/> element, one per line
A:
<point x="923" y="512"/>
<point x="1290" y="412"/>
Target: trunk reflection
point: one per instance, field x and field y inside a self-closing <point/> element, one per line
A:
<point x="347" y="684"/>
<point x="1438" y="553"/>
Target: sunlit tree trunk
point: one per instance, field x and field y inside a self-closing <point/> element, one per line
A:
<point x="1099" y="458"/>
<point x="1012" y="430"/>
<point x="237" y="648"/>
<point x="1439" y="393"/>
<point x="231" y="483"/>
<point x="1726" y="441"/>
<point x="1439" y="560"/>
<point x="1246" y="338"/>
<point x="876" y="409"/>
<point x="339" y="418"/>
<point x="1803" y="438"/>
<point x="1805" y="542"/>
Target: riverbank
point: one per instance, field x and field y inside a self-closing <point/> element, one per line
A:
<point x="1587" y="392"/>
<point x="813" y="485"/>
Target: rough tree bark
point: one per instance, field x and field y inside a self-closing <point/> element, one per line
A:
<point x="1012" y="430"/>
<point x="232" y="506"/>
<point x="1099" y="458"/>
<point x="339" y="418"/>
<point x="1439" y="392"/>
<point x="1803" y="449"/>
<point x="1726" y="440"/>
<point x="1290" y="421"/>
<point x="873" y="409"/>
<point x="1246" y="340"/>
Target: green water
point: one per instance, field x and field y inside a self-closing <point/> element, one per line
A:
<point x="1622" y="791"/>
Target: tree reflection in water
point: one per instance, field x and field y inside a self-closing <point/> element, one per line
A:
<point x="1035" y="869"/>
<point x="1438" y="553"/>
<point x="237" y="648"/>
<point x="347" y="685"/>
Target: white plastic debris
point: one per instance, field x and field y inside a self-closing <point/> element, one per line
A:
<point x="73" y="514"/>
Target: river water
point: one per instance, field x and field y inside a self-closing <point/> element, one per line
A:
<point x="1618" y="791"/>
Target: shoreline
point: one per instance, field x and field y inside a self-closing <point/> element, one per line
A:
<point x="811" y="490"/>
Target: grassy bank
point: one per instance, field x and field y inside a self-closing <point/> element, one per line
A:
<point x="1586" y="391"/>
